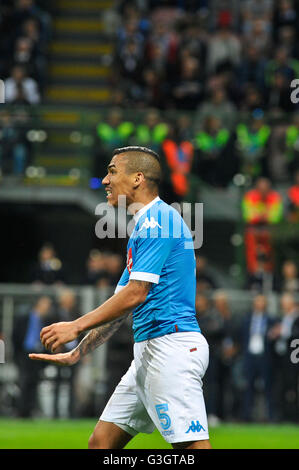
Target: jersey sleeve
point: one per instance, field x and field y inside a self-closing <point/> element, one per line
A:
<point x="150" y="256"/>
<point x="124" y="279"/>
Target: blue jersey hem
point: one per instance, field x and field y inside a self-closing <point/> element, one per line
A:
<point x="164" y="333"/>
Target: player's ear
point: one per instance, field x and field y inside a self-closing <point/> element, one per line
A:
<point x="138" y="178"/>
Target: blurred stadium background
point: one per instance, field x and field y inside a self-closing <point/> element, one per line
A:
<point x="206" y="83"/>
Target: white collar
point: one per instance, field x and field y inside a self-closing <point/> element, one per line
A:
<point x="141" y="211"/>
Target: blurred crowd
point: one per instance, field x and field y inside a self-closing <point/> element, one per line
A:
<point x="253" y="372"/>
<point x="25" y="33"/>
<point x="178" y="54"/>
<point x="103" y="270"/>
<point x="251" y="375"/>
<point x="211" y="151"/>
<point x="25" y="30"/>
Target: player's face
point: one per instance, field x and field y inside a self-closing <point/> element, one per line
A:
<point x="117" y="182"/>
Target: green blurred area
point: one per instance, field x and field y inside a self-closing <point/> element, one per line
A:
<point x="74" y="434"/>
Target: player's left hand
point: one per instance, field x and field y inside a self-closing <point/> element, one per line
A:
<point x="57" y="334"/>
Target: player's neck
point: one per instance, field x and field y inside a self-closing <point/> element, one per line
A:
<point x="144" y="199"/>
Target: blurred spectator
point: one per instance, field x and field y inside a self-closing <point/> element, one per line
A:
<point x="219" y="106"/>
<point x="286" y="372"/>
<point x="291" y="145"/>
<point x="31" y="30"/>
<point x="162" y="46"/>
<point x="285" y="14"/>
<point x="210" y="322"/>
<point x="252" y="142"/>
<point x="262" y="280"/>
<point x="252" y="99"/>
<point x="224" y="50"/>
<point x="188" y="89"/>
<point x="214" y="160"/>
<point x="119" y="355"/>
<point x="96" y="272"/>
<point x="113" y="132"/>
<point x="114" y="266"/>
<point x="204" y="279"/>
<point x="278" y="96"/>
<point x="257" y="356"/>
<point x="49" y="268"/>
<point x="13" y="144"/>
<point x="131" y="62"/>
<point x="27" y="9"/>
<point x="262" y="207"/>
<point x="26" y="339"/>
<point x="24" y="53"/>
<point x="135" y="10"/>
<point x="21" y="89"/>
<point x="67" y="310"/>
<point x="129" y="32"/>
<point x="227" y="397"/>
<point x="184" y="127"/>
<point x="290" y="280"/>
<point x="194" y="41"/>
<point x="287" y="39"/>
<point x="256" y="9"/>
<point x="154" y="92"/>
<point x="252" y="68"/>
<point x="258" y="34"/>
<point x="293" y="200"/>
<point x="152" y="132"/>
<point x="283" y="64"/>
<point x="178" y="157"/>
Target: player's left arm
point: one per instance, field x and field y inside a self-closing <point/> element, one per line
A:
<point x="120" y="304"/>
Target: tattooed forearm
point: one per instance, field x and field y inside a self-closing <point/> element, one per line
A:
<point x="98" y="336"/>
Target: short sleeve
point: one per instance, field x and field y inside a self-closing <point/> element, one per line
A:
<point x="150" y="256"/>
<point x="124" y="279"/>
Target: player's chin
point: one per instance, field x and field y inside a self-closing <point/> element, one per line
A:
<point x="111" y="201"/>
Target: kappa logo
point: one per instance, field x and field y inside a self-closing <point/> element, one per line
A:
<point x="129" y="260"/>
<point x="195" y="427"/>
<point x="150" y="224"/>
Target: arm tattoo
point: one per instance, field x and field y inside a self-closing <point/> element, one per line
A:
<point x="98" y="336"/>
<point x="101" y="334"/>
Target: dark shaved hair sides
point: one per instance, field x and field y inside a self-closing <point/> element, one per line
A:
<point x="144" y="160"/>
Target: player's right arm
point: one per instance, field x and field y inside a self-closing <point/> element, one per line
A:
<point x="89" y="343"/>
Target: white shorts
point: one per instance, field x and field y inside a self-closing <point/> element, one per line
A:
<point x="163" y="389"/>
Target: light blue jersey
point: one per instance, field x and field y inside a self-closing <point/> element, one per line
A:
<point x="159" y="252"/>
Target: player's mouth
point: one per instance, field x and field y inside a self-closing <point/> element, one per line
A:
<point x="108" y="192"/>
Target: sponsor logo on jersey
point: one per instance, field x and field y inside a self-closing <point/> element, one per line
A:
<point x="150" y="224"/>
<point x="195" y="427"/>
<point x="129" y="260"/>
<point x="167" y="433"/>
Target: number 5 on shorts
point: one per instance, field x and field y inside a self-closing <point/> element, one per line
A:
<point x="165" y="420"/>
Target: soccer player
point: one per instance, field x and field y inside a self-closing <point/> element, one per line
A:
<point x="163" y="386"/>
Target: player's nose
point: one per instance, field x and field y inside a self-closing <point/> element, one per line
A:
<point x="105" y="180"/>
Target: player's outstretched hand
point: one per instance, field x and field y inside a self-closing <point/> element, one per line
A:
<point x="57" y="334"/>
<point x="62" y="359"/>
